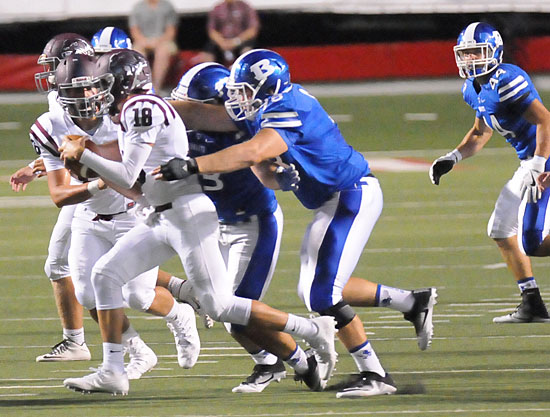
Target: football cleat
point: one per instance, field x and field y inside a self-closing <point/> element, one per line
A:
<point x="186" y="336"/>
<point x="421" y="316"/>
<point x="66" y="350"/>
<point x="323" y="345"/>
<point x="142" y="358"/>
<point x="530" y="310"/>
<point x="368" y="384"/>
<point x="261" y="377"/>
<point x="311" y="378"/>
<point x="102" y="380"/>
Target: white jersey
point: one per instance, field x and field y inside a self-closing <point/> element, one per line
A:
<point x="53" y="104"/>
<point x="150" y="119"/>
<point x="47" y="134"/>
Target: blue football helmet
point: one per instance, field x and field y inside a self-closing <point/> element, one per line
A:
<point x="483" y="41"/>
<point x="204" y="82"/>
<point x="255" y="77"/>
<point x="109" y="38"/>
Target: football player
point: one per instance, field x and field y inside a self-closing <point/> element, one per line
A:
<point x="505" y="100"/>
<point x="101" y="217"/>
<point x="250" y="218"/>
<point x="72" y="345"/>
<point x="182" y="221"/>
<point x="335" y="182"/>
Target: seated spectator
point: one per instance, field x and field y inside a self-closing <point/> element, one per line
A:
<point x="153" y="25"/>
<point x="233" y="27"/>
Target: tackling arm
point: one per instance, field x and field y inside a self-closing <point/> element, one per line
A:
<point x="266" y="144"/>
<point x="207" y="117"/>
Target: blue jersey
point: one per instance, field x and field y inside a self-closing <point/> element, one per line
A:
<point x="316" y="147"/>
<point x="501" y="102"/>
<point x="236" y="195"/>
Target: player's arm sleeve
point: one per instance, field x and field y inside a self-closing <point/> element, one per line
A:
<point x="123" y="173"/>
<point x="517" y="91"/>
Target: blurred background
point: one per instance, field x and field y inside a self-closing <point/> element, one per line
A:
<point x="323" y="40"/>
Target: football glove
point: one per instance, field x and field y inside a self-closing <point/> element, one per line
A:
<point x="444" y="164"/>
<point x="533" y="168"/>
<point x="287" y="178"/>
<point x="178" y="169"/>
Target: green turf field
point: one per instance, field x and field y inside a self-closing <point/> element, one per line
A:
<point x="427" y="236"/>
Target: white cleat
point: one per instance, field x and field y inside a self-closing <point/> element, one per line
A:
<point x="142" y="358"/>
<point x="421" y="316"/>
<point x="368" y="384"/>
<point x="66" y="350"/>
<point x="323" y="345"/>
<point x="186" y="336"/>
<point x="261" y="377"/>
<point x="102" y="380"/>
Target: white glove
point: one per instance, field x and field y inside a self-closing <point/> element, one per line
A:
<point x="534" y="167"/>
<point x="444" y="164"/>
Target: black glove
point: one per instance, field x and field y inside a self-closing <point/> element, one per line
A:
<point x="443" y="164"/>
<point x="178" y="169"/>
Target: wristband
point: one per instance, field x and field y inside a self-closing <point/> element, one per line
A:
<point x="192" y="166"/>
<point x="456" y="153"/>
<point x="93" y="187"/>
<point x="538" y="163"/>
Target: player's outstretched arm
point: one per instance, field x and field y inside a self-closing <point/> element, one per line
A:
<point x="20" y="178"/>
<point x="473" y="142"/>
<point x="207" y="117"/>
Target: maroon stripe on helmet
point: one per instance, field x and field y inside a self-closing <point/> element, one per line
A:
<point x="54" y="151"/>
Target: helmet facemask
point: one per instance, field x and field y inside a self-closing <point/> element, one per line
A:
<point x="45" y="80"/>
<point x="243" y="102"/>
<point x="86" y="97"/>
<point x="478" y="67"/>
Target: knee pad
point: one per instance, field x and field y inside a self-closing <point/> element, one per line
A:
<point x="342" y="313"/>
<point x="139" y="301"/>
<point x="85" y="295"/>
<point x="108" y="291"/>
<point x="231" y="309"/>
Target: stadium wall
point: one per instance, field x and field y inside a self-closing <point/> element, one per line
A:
<point x="330" y="63"/>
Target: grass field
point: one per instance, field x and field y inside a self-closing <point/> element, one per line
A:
<point x="427" y="236"/>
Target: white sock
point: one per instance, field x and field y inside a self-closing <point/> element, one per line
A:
<point x="173" y="313"/>
<point x="298" y="360"/>
<point x="174" y="285"/>
<point x="394" y="298"/>
<point x="300" y="326"/>
<point x="263" y="357"/>
<point x="113" y="357"/>
<point x="366" y="360"/>
<point x="74" y="335"/>
<point x="527" y="283"/>
<point x="128" y="334"/>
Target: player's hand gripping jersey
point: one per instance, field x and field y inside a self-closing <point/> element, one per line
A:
<point x="501" y="101"/>
<point x="325" y="161"/>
